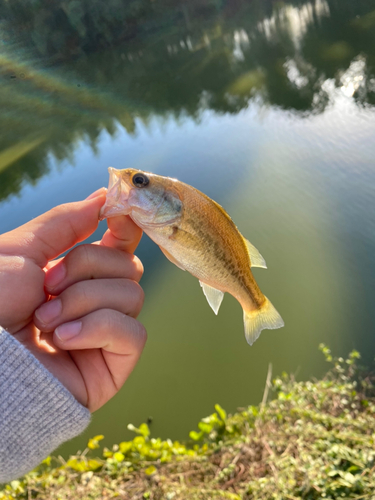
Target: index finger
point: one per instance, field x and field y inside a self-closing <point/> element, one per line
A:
<point x="52" y="233"/>
<point x="122" y="234"/>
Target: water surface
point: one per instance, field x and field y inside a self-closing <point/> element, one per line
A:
<point x="266" y="107"/>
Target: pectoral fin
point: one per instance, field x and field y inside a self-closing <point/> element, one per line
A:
<point x="256" y="259"/>
<point x="213" y="296"/>
<point x="172" y="259"/>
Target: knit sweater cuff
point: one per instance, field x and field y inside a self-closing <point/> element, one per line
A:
<point x="37" y="413"/>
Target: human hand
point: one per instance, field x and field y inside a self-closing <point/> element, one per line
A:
<point x="93" y="292"/>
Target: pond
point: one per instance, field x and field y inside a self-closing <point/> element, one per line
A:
<point x="267" y="107"/>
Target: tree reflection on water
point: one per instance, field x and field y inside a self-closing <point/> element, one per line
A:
<point x="71" y="69"/>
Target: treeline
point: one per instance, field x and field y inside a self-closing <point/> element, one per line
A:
<point x="187" y="57"/>
<point x="61" y="29"/>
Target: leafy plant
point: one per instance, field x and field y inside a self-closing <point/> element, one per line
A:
<point x="315" y="440"/>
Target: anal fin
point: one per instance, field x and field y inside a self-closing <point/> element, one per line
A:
<point x="172" y="259"/>
<point x="213" y="296"/>
<point x="256" y="259"/>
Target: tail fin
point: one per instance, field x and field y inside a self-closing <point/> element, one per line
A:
<point x="258" y="320"/>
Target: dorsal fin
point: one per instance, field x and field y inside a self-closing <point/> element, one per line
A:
<point x="256" y="259"/>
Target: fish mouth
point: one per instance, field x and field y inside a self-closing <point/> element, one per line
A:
<point x="116" y="202"/>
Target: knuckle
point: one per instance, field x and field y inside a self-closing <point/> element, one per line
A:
<point x="138" y="296"/>
<point x="60" y="209"/>
<point x="82" y="293"/>
<point x="78" y="299"/>
<point x="141" y="333"/>
<point x="127" y="330"/>
<point x="87" y="252"/>
<point x="138" y="268"/>
<point x="132" y="266"/>
<point x="108" y="320"/>
<point x="113" y="321"/>
<point x="79" y="291"/>
<point x="81" y="255"/>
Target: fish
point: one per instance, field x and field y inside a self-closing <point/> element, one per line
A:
<point x="197" y="235"/>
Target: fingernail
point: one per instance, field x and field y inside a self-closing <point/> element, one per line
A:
<point x="49" y="311"/>
<point x="55" y="276"/>
<point x="68" y="330"/>
<point x="95" y="194"/>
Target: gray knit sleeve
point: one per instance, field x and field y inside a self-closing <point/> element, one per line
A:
<point x="37" y="413"/>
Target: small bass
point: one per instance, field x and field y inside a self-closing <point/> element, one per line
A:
<point x="198" y="236"/>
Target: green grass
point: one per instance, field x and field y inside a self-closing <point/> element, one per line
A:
<point x="313" y="440"/>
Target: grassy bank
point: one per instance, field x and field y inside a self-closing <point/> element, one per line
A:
<point x="313" y="440"/>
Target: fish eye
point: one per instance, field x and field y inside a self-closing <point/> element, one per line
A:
<point x="140" y="180"/>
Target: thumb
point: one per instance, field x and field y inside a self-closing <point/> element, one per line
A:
<point x="54" y="232"/>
